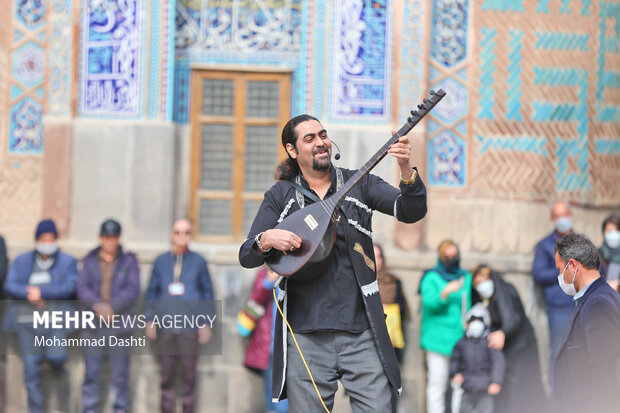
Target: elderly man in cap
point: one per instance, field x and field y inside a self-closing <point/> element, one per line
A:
<point x="35" y="278"/>
<point x="108" y="283"/>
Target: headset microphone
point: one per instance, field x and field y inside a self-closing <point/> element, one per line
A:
<point x="336" y="156"/>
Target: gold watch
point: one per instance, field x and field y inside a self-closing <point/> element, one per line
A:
<point x="411" y="180"/>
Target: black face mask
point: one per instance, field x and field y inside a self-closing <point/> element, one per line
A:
<point x="451" y="263"/>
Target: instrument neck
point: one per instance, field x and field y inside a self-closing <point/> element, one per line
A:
<point x="338" y="197"/>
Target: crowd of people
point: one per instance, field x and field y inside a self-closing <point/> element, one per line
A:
<point x="350" y="320"/>
<point x="480" y="348"/>
<point x="107" y="283"/>
<point x="448" y="292"/>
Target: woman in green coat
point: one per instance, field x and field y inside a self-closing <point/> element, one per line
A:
<point x="446" y="296"/>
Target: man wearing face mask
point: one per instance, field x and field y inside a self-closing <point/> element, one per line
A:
<point x="34" y="279"/>
<point x="586" y="375"/>
<point x="558" y="305"/>
<point x="446" y="296"/>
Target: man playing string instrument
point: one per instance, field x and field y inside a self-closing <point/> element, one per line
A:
<point x="337" y="316"/>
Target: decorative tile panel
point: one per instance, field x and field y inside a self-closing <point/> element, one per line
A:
<point x="316" y="80"/>
<point x="449" y="49"/>
<point x="446" y="160"/>
<point x="181" y="93"/>
<point x="29" y="64"/>
<point x="514" y="75"/>
<point x="449" y="31"/>
<point x="31" y="13"/>
<point x="110" y="66"/>
<point x="26" y="127"/>
<point x="233" y="30"/>
<point x="27" y="75"/>
<point x="487" y="68"/>
<point x="60" y="82"/>
<point x="539" y="145"/>
<point x="361" y="61"/>
<point x="411" y="46"/>
<point x="454" y="105"/>
<point x="252" y="32"/>
<point x="160" y="67"/>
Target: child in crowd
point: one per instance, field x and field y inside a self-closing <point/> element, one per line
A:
<point x="476" y="367"/>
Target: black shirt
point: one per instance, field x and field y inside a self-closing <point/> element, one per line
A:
<point x="332" y="300"/>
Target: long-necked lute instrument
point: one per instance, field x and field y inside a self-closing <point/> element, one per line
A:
<point x="316" y="224"/>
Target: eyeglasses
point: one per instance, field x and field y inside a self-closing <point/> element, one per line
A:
<point x="182" y="232"/>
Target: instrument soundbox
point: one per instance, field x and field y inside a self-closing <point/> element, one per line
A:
<point x="316" y="224"/>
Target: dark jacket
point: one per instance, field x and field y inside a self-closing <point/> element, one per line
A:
<point x="4" y="263"/>
<point x="508" y="315"/>
<point x="61" y="287"/>
<point x="522" y="378"/>
<point x="546" y="275"/>
<point x="608" y="255"/>
<point x="198" y="296"/>
<point x="586" y="377"/>
<point x="125" y="287"/>
<point x="194" y="275"/>
<point x="372" y="193"/>
<point x="479" y="364"/>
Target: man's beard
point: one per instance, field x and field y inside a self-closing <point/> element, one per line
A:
<point x="321" y="164"/>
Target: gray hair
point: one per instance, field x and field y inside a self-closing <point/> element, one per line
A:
<point x="579" y="248"/>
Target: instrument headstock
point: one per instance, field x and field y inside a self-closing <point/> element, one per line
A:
<point x="421" y="110"/>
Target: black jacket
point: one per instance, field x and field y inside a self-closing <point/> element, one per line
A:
<point x="586" y="375"/>
<point x="508" y="315"/>
<point x="4" y="264"/>
<point x="372" y="193"/>
<point x="479" y="364"/>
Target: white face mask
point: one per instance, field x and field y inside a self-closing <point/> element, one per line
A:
<point x="612" y="238"/>
<point x="46" y="249"/>
<point x="475" y="329"/>
<point x="568" y="289"/>
<point x="563" y="225"/>
<point x="486" y="289"/>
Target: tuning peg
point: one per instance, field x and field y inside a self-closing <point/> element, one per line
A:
<point x="420" y="106"/>
<point x="426" y="100"/>
<point x="410" y="119"/>
<point x="432" y="92"/>
<point x="414" y="113"/>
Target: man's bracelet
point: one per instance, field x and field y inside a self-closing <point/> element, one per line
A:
<point x="258" y="244"/>
<point x="411" y="180"/>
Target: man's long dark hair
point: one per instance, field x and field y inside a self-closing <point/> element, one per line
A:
<point x="288" y="168"/>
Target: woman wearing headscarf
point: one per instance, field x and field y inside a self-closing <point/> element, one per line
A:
<point x="445" y="291"/>
<point x="512" y="332"/>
